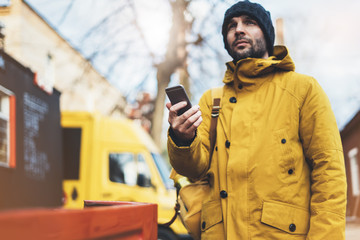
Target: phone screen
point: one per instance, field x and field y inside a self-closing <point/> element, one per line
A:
<point x="178" y="94"/>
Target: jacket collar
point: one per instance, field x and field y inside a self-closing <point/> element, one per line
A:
<point x="251" y="70"/>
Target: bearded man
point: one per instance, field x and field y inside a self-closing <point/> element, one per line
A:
<point x="277" y="171"/>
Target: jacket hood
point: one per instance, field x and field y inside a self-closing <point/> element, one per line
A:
<point x="247" y="69"/>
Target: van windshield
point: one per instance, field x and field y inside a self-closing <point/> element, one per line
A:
<point x="163" y="170"/>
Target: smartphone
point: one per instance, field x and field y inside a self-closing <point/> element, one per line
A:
<point x="178" y="94"/>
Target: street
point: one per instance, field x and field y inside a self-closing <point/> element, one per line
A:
<point x="352" y="231"/>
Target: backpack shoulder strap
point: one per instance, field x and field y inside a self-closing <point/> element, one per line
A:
<point x="216" y="94"/>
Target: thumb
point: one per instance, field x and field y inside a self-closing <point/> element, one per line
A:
<point x="168" y="105"/>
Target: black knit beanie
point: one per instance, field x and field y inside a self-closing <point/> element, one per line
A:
<point x="258" y="13"/>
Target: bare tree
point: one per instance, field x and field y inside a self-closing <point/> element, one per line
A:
<point x="175" y="58"/>
<point x="182" y="37"/>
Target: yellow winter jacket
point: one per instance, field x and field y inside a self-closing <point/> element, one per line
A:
<point x="278" y="169"/>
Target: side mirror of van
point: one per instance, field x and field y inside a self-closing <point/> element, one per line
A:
<point x="143" y="180"/>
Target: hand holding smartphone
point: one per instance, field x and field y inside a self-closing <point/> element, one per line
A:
<point x="178" y="94"/>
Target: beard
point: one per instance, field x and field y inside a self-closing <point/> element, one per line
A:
<point x="257" y="50"/>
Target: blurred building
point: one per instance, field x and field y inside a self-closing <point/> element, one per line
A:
<point x="30" y="140"/>
<point x="350" y="136"/>
<point x="35" y="44"/>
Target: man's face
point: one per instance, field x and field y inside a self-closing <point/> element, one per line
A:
<point x="245" y="38"/>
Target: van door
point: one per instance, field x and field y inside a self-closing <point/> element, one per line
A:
<point x="74" y="190"/>
<point x="128" y="177"/>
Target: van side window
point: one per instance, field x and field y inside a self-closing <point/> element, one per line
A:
<point x="144" y="176"/>
<point x="164" y="170"/>
<point x="122" y="168"/>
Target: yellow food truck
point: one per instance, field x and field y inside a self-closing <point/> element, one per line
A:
<point x="115" y="160"/>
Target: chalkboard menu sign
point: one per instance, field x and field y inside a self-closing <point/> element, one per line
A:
<point x="31" y="169"/>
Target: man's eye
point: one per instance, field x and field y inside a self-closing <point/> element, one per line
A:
<point x="250" y="22"/>
<point x="232" y="25"/>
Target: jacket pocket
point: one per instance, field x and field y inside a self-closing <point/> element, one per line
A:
<point x="211" y="214"/>
<point x="288" y="218"/>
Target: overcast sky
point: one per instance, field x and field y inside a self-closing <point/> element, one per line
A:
<point x="322" y="37"/>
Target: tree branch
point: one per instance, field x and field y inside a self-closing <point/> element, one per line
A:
<point x="66" y="12"/>
<point x="137" y="26"/>
<point x="103" y="21"/>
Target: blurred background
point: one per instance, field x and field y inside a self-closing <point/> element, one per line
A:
<point x="141" y="46"/>
<point x="116" y="57"/>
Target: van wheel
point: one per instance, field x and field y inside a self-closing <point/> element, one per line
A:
<point x="166" y="234"/>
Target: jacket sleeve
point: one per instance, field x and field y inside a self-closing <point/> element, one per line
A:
<point x="323" y="150"/>
<point x="192" y="161"/>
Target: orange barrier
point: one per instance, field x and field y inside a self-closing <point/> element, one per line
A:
<point x="121" y="220"/>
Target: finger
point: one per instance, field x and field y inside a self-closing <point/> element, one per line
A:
<point x="190" y="112"/>
<point x="196" y="124"/>
<point x="181" y="124"/>
<point x="168" y="105"/>
<point x="192" y="119"/>
<point x="176" y="107"/>
<point x="173" y="119"/>
<point x="190" y="132"/>
<point x="195" y="117"/>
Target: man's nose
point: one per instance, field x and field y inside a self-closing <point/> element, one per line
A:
<point x="239" y="28"/>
